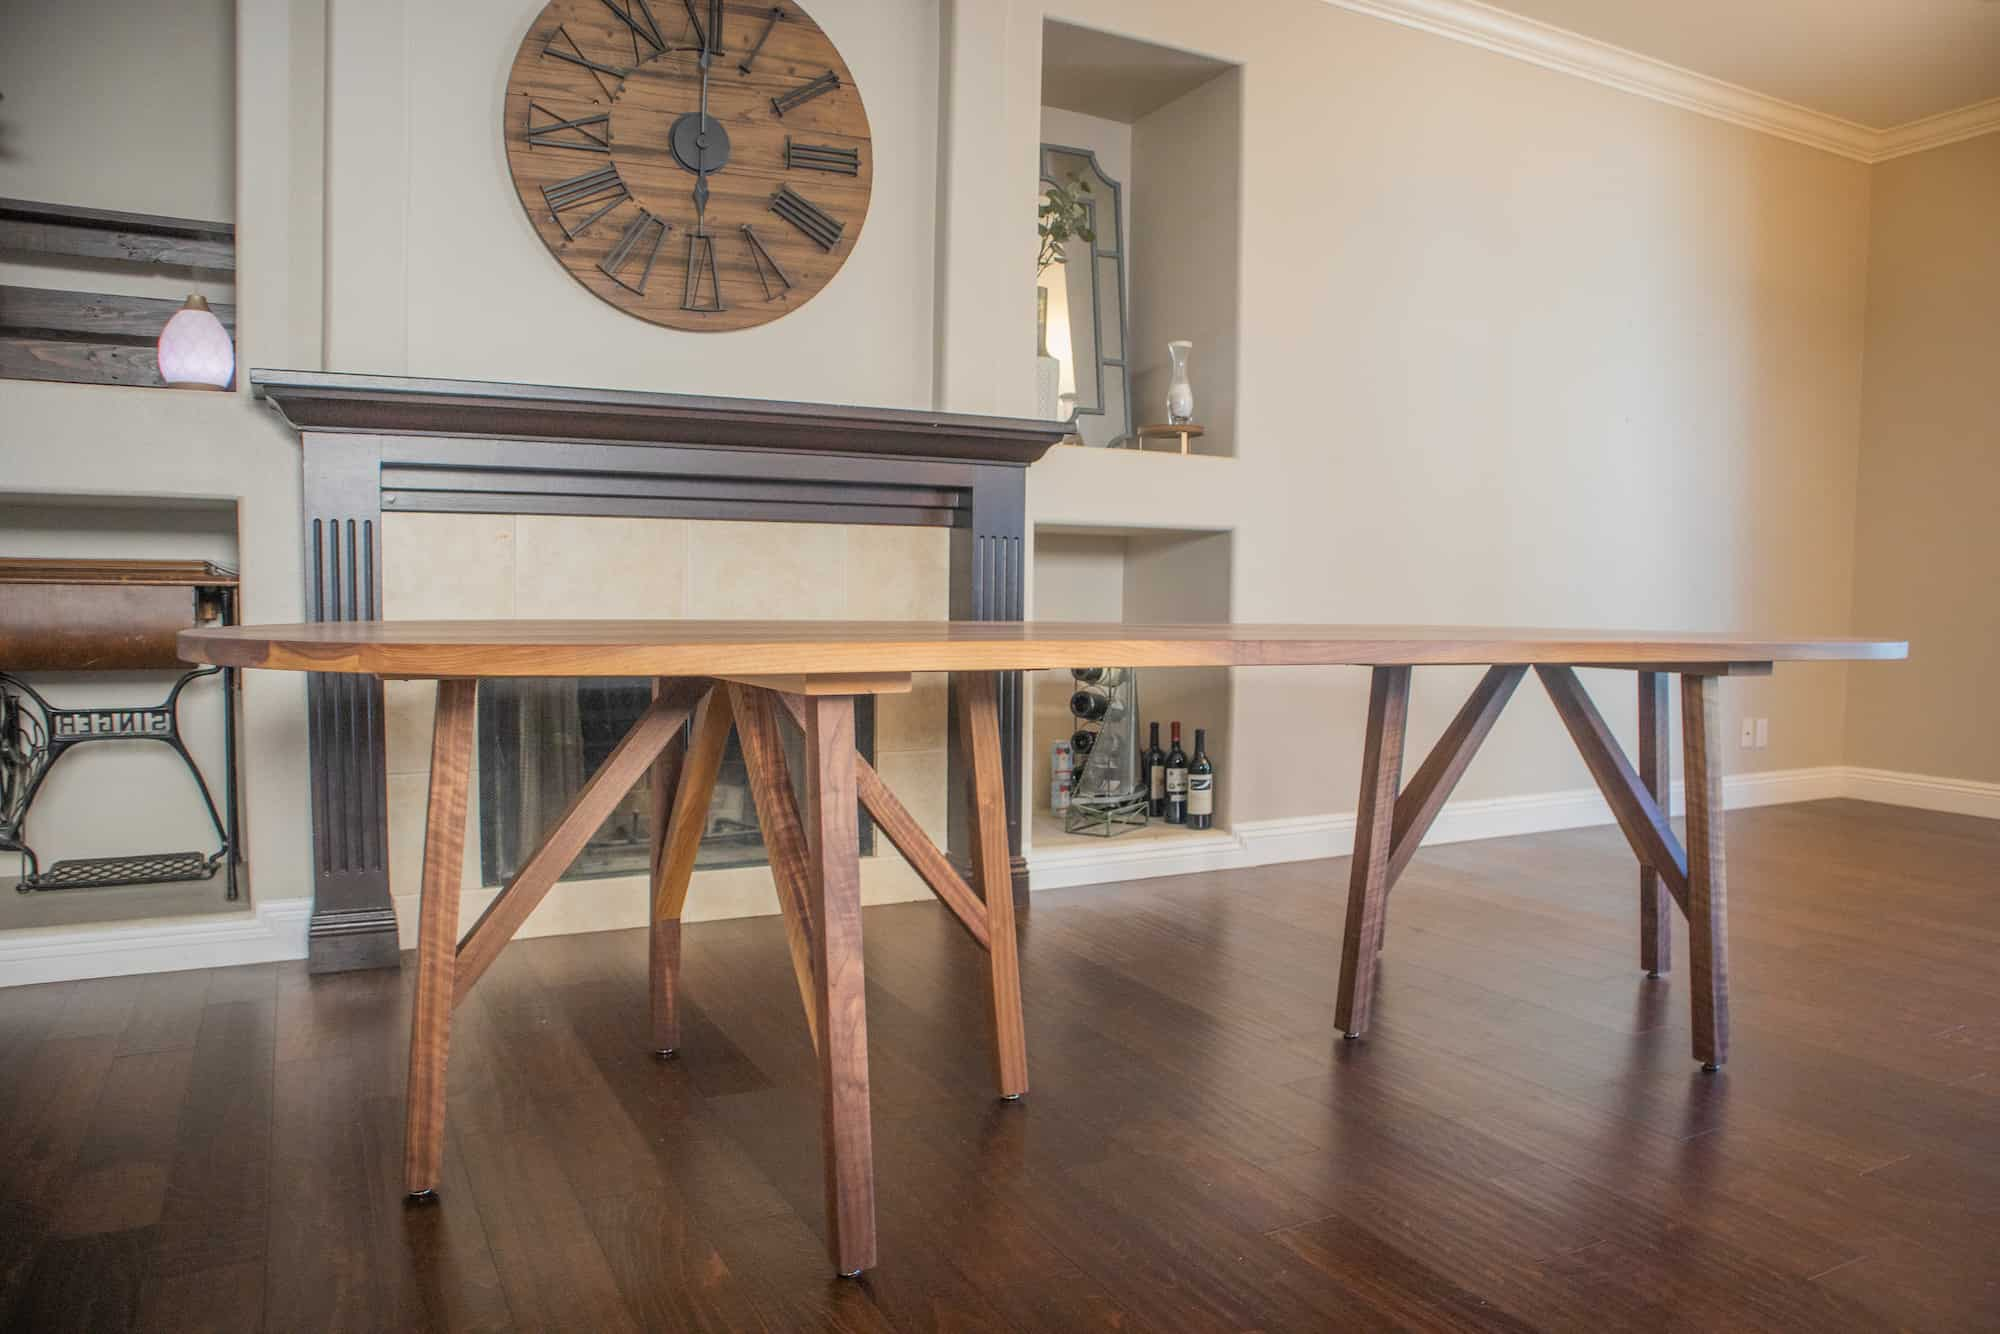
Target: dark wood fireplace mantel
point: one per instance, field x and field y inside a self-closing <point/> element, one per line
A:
<point x="376" y="443"/>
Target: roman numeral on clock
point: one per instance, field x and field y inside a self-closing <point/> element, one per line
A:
<point x="584" y="134"/>
<point x="701" y="264"/>
<point x="823" y="157"/>
<point x="570" y="51"/>
<point x="708" y="36"/>
<point x="592" y="194"/>
<point x="645" y="28"/>
<point x="767" y="265"/>
<point x="777" y="17"/>
<point x="628" y="246"/>
<point x="805" y="92"/>
<point x="820" y="227"/>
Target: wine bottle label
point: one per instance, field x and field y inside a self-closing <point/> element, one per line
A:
<point x="1177" y="782"/>
<point x="1201" y="794"/>
<point x="1158" y="781"/>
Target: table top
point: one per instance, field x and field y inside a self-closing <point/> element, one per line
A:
<point x="804" y="648"/>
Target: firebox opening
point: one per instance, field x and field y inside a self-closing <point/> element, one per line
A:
<point x="540" y="739"/>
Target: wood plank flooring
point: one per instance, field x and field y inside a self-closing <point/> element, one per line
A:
<point x="1521" y="1142"/>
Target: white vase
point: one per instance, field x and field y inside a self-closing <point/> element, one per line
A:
<point x="1180" y="394"/>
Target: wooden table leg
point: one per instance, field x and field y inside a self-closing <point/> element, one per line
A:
<point x="1374" y="818"/>
<point x="1707" y="887"/>
<point x="978" y="700"/>
<point x="1656" y="924"/>
<point x="437" y="936"/>
<point x="675" y="843"/>
<point x="832" y="818"/>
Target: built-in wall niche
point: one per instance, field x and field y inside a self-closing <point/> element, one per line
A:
<point x="120" y="798"/>
<point x="1156" y="135"/>
<point x="1142" y="575"/>
<point x="119" y="135"/>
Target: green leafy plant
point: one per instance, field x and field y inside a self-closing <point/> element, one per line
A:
<point x="1063" y="217"/>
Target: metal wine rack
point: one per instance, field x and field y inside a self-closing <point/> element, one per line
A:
<point x="1109" y="796"/>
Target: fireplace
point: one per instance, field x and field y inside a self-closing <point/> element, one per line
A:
<point x="381" y="446"/>
<point x="540" y="740"/>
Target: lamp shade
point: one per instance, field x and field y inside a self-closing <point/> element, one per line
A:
<point x="195" y="351"/>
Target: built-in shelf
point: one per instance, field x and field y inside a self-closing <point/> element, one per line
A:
<point x="1160" y="131"/>
<point x="96" y="337"/>
<point x="1049" y="835"/>
<point x="1118" y="572"/>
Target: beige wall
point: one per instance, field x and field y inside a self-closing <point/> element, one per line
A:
<point x="120" y="104"/>
<point x="1927" y="535"/>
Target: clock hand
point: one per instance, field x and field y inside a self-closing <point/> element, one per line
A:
<point x="701" y="149"/>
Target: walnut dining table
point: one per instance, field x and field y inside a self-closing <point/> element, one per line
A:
<point x="741" y="675"/>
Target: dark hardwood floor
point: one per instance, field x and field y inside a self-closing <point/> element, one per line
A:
<point x="1521" y="1142"/>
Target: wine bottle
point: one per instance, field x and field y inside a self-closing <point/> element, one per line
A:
<point x="1107" y="677"/>
<point x="1093" y="707"/>
<point x="1177" y="780"/>
<point x="1201" y="785"/>
<point x="1081" y="742"/>
<point x="1156" y="776"/>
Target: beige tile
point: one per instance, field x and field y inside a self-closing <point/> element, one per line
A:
<point x="915" y="721"/>
<point x="409" y="708"/>
<point x="898" y="574"/>
<point x="441" y="566"/>
<point x="759" y="571"/>
<point x="408" y="795"/>
<point x="600" y="567"/>
<point x="918" y="777"/>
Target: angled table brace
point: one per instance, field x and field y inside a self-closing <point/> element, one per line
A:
<point x="784" y="833"/>
<point x="1645" y="826"/>
<point x="1418" y="805"/>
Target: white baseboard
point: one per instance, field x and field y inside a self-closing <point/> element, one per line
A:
<point x="1959" y="796"/>
<point x="1310" y="837"/>
<point x="263" y="934"/>
<point x="277" y="929"/>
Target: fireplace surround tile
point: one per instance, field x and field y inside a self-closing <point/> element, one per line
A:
<point x="534" y="565"/>
<point x="409" y="707"/>
<point x="748" y="570"/>
<point x="445" y="566"/>
<point x="569" y="566"/>
<point x="918" y="777"/>
<point x="898" y="574"/>
<point x="916" y="721"/>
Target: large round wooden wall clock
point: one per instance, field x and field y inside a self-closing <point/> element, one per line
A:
<point x="700" y="164"/>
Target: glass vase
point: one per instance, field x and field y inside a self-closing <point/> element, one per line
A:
<point x="1180" y="394"/>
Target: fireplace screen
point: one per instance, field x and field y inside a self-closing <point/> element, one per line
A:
<point x="541" y="739"/>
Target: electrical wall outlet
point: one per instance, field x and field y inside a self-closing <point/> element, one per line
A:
<point x="1763" y="733"/>
<point x="1749" y="733"/>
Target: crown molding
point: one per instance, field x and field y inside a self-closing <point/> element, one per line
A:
<point x="1615" y="67"/>
<point x="1937" y="131"/>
